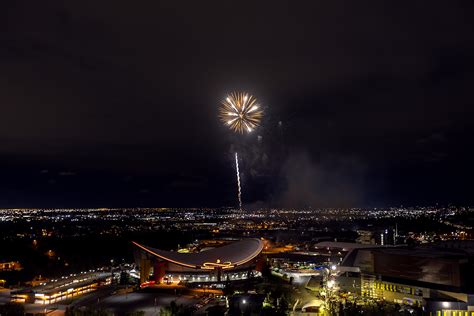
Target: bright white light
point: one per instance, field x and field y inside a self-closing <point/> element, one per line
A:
<point x="446" y="304"/>
<point x="253" y="108"/>
<point x="249" y="129"/>
<point x="244" y="301"/>
<point x="333" y="267"/>
<point x="231" y="121"/>
<point x="228" y="100"/>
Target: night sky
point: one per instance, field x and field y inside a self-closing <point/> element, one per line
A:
<point x="114" y="103"/>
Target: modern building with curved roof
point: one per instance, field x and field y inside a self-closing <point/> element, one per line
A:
<point x="233" y="261"/>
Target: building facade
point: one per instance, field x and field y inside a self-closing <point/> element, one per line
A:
<point x="235" y="261"/>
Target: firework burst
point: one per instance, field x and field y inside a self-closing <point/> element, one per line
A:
<point x="241" y="112"/>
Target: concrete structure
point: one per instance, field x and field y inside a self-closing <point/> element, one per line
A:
<point x="436" y="277"/>
<point x="238" y="260"/>
<point x="54" y="291"/>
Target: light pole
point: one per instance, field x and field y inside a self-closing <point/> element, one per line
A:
<point x="111" y="271"/>
<point x="244" y="305"/>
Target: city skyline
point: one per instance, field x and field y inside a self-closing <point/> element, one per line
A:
<point x="163" y="158"/>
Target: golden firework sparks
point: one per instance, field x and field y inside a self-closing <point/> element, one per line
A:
<point x="241" y="112"/>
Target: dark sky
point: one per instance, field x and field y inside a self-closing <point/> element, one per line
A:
<point x="114" y="103"/>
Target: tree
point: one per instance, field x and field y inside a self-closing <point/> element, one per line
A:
<point x="228" y="287"/>
<point x="216" y="310"/>
<point x="175" y="310"/>
<point x="282" y="306"/>
<point x="268" y="301"/>
<point x="12" y="309"/>
<point x="91" y="311"/>
<point x="266" y="271"/>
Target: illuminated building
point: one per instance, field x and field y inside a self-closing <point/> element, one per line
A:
<point x="437" y="277"/>
<point x="10" y="266"/>
<point x="365" y="237"/>
<point x="50" y="294"/>
<point x="235" y="261"/>
<point x="54" y="291"/>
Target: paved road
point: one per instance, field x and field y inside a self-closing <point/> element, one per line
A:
<point x="93" y="298"/>
<point x="4" y="296"/>
<point x="149" y="302"/>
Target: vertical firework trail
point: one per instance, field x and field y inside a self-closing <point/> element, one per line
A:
<point x="241" y="113"/>
<point x="239" y="193"/>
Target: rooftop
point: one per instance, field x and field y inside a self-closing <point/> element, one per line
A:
<point x="225" y="257"/>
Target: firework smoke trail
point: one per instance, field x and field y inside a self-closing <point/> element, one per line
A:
<point x="239" y="193"/>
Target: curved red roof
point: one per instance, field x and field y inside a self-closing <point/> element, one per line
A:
<point x="225" y="257"/>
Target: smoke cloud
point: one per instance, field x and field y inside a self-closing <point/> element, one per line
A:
<point x="329" y="182"/>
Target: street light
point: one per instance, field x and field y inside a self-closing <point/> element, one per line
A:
<point x="243" y="306"/>
<point x="111" y="271"/>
